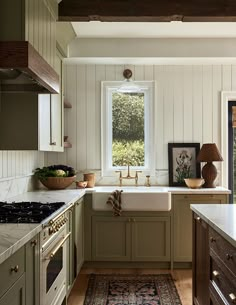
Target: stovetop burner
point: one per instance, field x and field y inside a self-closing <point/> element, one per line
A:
<point x="27" y="212"/>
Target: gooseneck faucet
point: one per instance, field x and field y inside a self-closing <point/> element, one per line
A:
<point x="129" y="176"/>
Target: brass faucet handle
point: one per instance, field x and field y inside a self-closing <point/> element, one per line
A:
<point x="136" y="173"/>
<point x="120" y="173"/>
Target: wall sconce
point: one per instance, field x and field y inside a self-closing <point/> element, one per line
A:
<point x="209" y="153"/>
<point x="128" y="84"/>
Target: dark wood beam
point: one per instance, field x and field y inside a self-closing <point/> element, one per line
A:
<point x="147" y="10"/>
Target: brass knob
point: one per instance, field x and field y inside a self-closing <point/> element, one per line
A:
<point x="134" y="220"/>
<point x="228" y="256"/>
<point x="198" y="218"/>
<point x="212" y="239"/>
<point x="15" y="269"/>
<point x="34" y="243"/>
<point x="232" y="297"/>
<point x="215" y="273"/>
<point x="129" y="219"/>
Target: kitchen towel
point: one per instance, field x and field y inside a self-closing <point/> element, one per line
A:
<point x="115" y="201"/>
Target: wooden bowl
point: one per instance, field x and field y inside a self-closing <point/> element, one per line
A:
<point x="57" y="183"/>
<point x="194" y="183"/>
<point x="81" y="184"/>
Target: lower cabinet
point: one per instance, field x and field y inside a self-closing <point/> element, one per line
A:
<point x="16" y="294"/>
<point x="130" y="238"/>
<point x="201" y="262"/>
<point x="79" y="235"/>
<point x="182" y="222"/>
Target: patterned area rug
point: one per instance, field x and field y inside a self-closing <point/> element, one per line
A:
<point x="125" y="289"/>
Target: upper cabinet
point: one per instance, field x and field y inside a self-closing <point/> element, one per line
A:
<point x="33" y="21"/>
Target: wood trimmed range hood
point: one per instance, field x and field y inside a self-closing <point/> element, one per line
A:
<point x="22" y="69"/>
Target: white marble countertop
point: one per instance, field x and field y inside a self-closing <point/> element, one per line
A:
<point x="171" y="189"/>
<point x="221" y="217"/>
<point x="14" y="236"/>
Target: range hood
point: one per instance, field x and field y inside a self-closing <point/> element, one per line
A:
<point x="23" y="69"/>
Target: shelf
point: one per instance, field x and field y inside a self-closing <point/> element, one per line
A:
<point x="67" y="104"/>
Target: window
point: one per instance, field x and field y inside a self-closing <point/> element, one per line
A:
<point x="127" y="128"/>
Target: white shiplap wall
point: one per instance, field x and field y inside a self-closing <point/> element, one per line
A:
<point x="187" y="108"/>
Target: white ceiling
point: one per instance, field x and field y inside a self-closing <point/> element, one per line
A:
<point x="96" y="29"/>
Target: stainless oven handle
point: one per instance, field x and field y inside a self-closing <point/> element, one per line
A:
<point x="54" y="251"/>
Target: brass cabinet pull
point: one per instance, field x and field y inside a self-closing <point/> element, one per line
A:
<point x="129" y="219"/>
<point x="134" y="219"/>
<point x="15" y="269"/>
<point x="53" y="143"/>
<point x="33" y="243"/>
<point x="198" y="218"/>
<point x="52" y="254"/>
<point x="215" y="273"/>
<point x="232" y="297"/>
<point x="212" y="239"/>
<point x="228" y="256"/>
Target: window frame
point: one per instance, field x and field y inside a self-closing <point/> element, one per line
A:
<point x="148" y="88"/>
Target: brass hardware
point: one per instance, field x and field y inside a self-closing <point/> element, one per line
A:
<point x="129" y="219"/>
<point x="52" y="221"/>
<point x="15" y="269"/>
<point x="53" y="143"/>
<point x="215" y="273"/>
<point x="128" y="176"/>
<point x="228" y="256"/>
<point x="212" y="239"/>
<point x="52" y="254"/>
<point x="33" y="243"/>
<point x="232" y="297"/>
<point x="134" y="219"/>
<point x="198" y="218"/>
<point x="147" y="183"/>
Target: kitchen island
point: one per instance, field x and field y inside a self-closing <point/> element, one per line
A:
<point x="214" y="254"/>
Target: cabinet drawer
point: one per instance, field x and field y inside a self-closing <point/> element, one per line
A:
<point x="224" y="283"/>
<point x="223" y="249"/>
<point x="12" y="269"/>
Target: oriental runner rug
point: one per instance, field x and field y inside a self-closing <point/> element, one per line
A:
<point x="123" y="289"/>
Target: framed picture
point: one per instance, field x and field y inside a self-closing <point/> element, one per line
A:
<point x="182" y="162"/>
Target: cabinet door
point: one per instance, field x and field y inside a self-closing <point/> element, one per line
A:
<point x="16" y="294"/>
<point x="111" y="238"/>
<point x="70" y="257"/>
<point x="79" y="235"/>
<point x="44" y="122"/>
<point x="182" y="222"/>
<point x="32" y="269"/>
<point x="201" y="262"/>
<point x="150" y="238"/>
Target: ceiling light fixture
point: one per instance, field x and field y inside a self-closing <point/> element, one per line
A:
<point x="128" y="84"/>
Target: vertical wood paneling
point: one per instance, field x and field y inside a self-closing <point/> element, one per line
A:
<point x="36" y="24"/>
<point x="233" y="81"/>
<point x="71" y="91"/>
<point x="110" y="72"/>
<point x="149" y="72"/>
<point x="168" y="111"/>
<point x="81" y="118"/>
<point x="4" y="164"/>
<point x="91" y="114"/>
<point x="178" y="103"/>
<point x="159" y="119"/>
<point x="138" y="72"/>
<point x="118" y="73"/>
<point x="197" y="103"/>
<point x="207" y="112"/>
<point x="188" y="103"/>
<point x="216" y="90"/>
<point x="1" y="165"/>
<point x="226" y="77"/>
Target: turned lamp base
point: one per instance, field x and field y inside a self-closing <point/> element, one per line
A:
<point x="209" y="174"/>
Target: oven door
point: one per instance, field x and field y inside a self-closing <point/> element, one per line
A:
<point x="53" y="269"/>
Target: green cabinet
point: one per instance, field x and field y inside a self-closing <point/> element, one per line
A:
<point x="131" y="238"/>
<point x="182" y="222"/>
<point x="16" y="294"/>
<point x="79" y="235"/>
<point x="32" y="270"/>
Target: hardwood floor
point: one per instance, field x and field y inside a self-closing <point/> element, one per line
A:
<point x="182" y="277"/>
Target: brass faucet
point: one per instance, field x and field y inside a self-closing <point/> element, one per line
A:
<point x="129" y="176"/>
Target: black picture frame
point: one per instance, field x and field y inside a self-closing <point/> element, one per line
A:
<point x="182" y="162"/>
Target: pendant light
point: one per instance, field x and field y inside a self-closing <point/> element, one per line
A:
<point x="128" y="85"/>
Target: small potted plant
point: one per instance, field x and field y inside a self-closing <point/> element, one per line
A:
<point x="55" y="177"/>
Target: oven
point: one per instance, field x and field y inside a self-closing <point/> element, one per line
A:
<point x="53" y="260"/>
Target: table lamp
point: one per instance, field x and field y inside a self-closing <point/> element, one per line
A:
<point x="209" y="153"/>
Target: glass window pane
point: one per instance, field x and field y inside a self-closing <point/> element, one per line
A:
<point x="128" y="129"/>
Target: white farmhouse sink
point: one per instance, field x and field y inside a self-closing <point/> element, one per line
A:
<point x="134" y="198"/>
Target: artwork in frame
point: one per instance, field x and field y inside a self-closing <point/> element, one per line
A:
<point x="182" y="162"/>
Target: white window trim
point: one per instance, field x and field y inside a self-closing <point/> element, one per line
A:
<point x="107" y="87"/>
<point x="226" y="97"/>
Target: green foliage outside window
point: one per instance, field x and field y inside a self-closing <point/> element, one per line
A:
<point x="128" y="129"/>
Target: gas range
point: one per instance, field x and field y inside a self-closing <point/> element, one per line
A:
<point x="27" y="212"/>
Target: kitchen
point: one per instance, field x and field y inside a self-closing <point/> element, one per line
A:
<point x="186" y="95"/>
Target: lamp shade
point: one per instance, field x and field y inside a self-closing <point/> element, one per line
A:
<point x="209" y="153"/>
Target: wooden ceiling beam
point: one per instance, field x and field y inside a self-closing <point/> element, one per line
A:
<point x="147" y="10"/>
